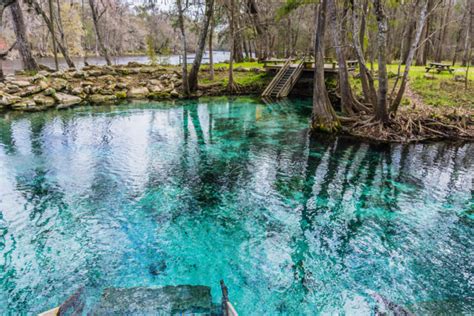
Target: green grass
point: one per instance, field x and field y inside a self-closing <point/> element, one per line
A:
<point x="443" y="90"/>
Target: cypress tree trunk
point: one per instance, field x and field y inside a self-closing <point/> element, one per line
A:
<point x="95" y="18"/>
<point x="35" y="5"/>
<point x="348" y="102"/>
<point x="193" y="75"/>
<point x="323" y="117"/>
<point x="185" y="47"/>
<point x="29" y="63"/>
<point x="419" y="29"/>
<point x="381" y="108"/>
<point x="211" y="57"/>
<point x="231" y="86"/>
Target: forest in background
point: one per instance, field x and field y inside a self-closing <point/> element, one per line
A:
<point x="374" y="34"/>
<point x="266" y="28"/>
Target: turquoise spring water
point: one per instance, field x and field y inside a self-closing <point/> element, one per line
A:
<point x="190" y="193"/>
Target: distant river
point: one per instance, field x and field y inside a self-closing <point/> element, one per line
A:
<point x="10" y="66"/>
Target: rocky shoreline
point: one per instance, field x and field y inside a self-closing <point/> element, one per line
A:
<point x="96" y="85"/>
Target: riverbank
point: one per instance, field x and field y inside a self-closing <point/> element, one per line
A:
<point x="93" y="85"/>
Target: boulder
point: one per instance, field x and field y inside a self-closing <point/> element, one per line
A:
<point x="27" y="91"/>
<point x="38" y="77"/>
<point x="11" y="88"/>
<point x="99" y="98"/>
<point x="8" y="99"/>
<point x="138" y="92"/>
<point x="26" y="105"/>
<point x="107" y="78"/>
<point x="174" y="93"/>
<point x="121" y="85"/>
<point x="20" y="83"/>
<point x="43" y="100"/>
<point x="49" y="91"/>
<point x="121" y="94"/>
<point x="58" y="74"/>
<point x="459" y="78"/>
<point x="65" y="100"/>
<point x="77" y="90"/>
<point x="79" y="74"/>
<point x="155" y="88"/>
<point x="59" y="84"/>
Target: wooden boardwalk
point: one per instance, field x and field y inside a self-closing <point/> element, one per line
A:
<point x="289" y="71"/>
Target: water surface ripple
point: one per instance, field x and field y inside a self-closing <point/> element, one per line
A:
<point x="190" y="193"/>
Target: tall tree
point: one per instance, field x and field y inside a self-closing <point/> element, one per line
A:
<point x="349" y="104"/>
<point x="381" y="112"/>
<point x="49" y="23"/>
<point x="323" y="116"/>
<point x="96" y="16"/>
<point x="53" y="34"/>
<point x="419" y="29"/>
<point x="3" y="5"/>
<point x="29" y="63"/>
<point x="193" y="74"/>
<point x="231" y="12"/>
<point x="185" y="84"/>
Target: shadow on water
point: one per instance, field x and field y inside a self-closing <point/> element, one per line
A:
<point x="192" y="192"/>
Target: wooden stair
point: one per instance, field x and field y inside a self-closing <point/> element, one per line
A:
<point x="284" y="80"/>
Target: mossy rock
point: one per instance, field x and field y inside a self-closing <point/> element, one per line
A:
<point x="121" y="94"/>
<point x="159" y="95"/>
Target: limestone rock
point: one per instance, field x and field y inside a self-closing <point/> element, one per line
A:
<point x="27" y="91"/>
<point x="138" y="92"/>
<point x="11" y="88"/>
<point x="168" y="300"/>
<point x="26" y="105"/>
<point x="8" y="99"/>
<point x="174" y="93"/>
<point x="49" y="91"/>
<point x="121" y="85"/>
<point x="44" y="100"/>
<point x="65" y="100"/>
<point x="20" y="83"/>
<point x="99" y="98"/>
<point x="59" y="84"/>
<point x="121" y="94"/>
<point x="155" y="88"/>
<point x="77" y="90"/>
<point x="429" y="76"/>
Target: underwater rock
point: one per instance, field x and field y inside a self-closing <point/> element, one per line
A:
<point x="145" y="301"/>
<point x="157" y="268"/>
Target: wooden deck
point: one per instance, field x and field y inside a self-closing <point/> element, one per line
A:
<point x="309" y="67"/>
<point x="289" y="72"/>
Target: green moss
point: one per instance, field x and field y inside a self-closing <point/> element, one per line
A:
<point x="159" y="95"/>
<point x="121" y="94"/>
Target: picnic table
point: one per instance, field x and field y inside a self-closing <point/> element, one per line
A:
<point x="274" y="61"/>
<point x="439" y="67"/>
<point x="352" y="63"/>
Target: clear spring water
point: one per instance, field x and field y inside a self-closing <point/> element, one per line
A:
<point x="190" y="193"/>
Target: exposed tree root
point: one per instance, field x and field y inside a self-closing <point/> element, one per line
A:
<point x="416" y="125"/>
<point x="417" y="122"/>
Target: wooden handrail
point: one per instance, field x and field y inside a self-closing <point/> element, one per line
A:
<point x="277" y="78"/>
<point x="291" y="82"/>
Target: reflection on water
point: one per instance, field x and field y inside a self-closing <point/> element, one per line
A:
<point x="10" y="66"/>
<point x="191" y="193"/>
